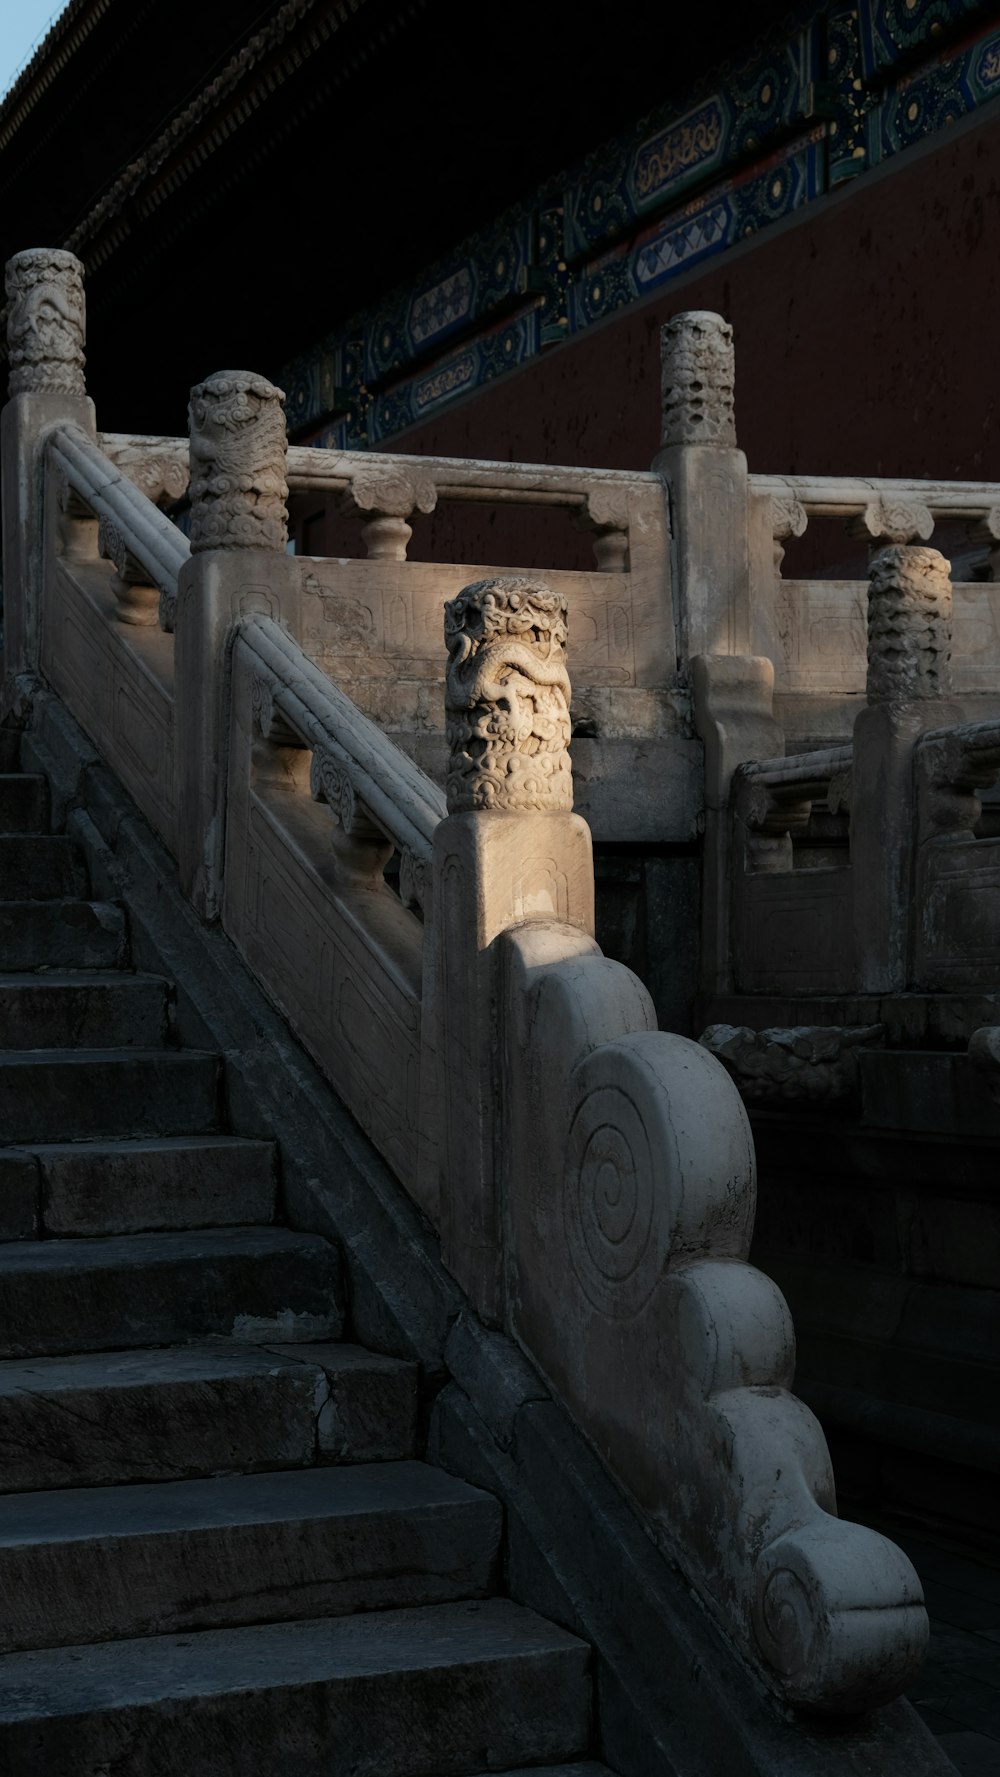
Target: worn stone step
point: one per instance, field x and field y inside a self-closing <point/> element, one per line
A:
<point x="153" y="1183"/>
<point x="58" y="1094"/>
<point x="62" y="935"/>
<point x="60" y="1010"/>
<point x="10" y="746"/>
<point x="163" y="1415"/>
<point x="24" y="803"/>
<point x="435" y="1692"/>
<point x="258" y="1285"/>
<point x="40" y="867"/>
<point x="96" y="1564"/>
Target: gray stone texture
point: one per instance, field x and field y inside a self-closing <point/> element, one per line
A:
<point x="163" y="1182"/>
<point x="62" y="1011"/>
<point x="46" y="1094"/>
<point x="62" y="935"/>
<point x="39" y="867"/>
<point x="24" y="804"/>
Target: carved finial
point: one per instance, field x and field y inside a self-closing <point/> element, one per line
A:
<point x="507" y="697"/>
<point x="696" y="351"/>
<point x="893" y="521"/>
<point x="909" y="624"/>
<point x="238" y="452"/>
<point x="46" y="324"/>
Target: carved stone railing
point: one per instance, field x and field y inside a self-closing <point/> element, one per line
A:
<point x="591" y="1178"/>
<point x="956" y="938"/>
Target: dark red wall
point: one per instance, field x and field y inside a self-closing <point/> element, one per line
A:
<point x="866" y="342"/>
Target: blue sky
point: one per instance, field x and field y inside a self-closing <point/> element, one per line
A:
<point x="21" y="22"/>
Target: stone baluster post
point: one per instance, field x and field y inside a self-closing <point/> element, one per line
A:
<point x="510" y="849"/>
<point x="909" y="681"/>
<point x="45" y="341"/>
<point x="706" y="476"/>
<point x="238" y="566"/>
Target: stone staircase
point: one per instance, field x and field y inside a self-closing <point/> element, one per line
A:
<point x="219" y="1551"/>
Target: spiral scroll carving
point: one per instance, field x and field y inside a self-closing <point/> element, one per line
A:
<point x="613" y="1215"/>
<point x="507" y="696"/>
<point x="785" y="1622"/>
<point x="329" y="783"/>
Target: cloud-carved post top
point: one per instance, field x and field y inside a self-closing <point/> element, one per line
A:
<point x="46" y="322"/>
<point x="698" y="373"/>
<point x="507" y="698"/>
<point x="909" y="624"/>
<point x="239" y="447"/>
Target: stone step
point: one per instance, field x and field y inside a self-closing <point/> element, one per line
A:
<point x="103" y="1563"/>
<point x="39" y="867"/>
<point x="62" y="935"/>
<point x="406" y="1693"/>
<point x="258" y="1285"/>
<point x="60" y="1010"/>
<point x="198" y="1410"/>
<point x="60" y="1094"/>
<point x="24" y="803"/>
<point x="10" y="745"/>
<point x="152" y="1184"/>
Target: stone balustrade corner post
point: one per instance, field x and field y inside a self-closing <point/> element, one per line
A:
<point x="46" y="334"/>
<point x="511" y="849"/>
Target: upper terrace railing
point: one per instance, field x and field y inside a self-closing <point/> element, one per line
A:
<point x="599" y="1203"/>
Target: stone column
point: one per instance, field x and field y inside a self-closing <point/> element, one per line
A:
<point x="45" y="341"/>
<point x="238" y="566"/>
<point x="510" y="849"/>
<point x="908" y="691"/>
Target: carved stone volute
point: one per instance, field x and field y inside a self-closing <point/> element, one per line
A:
<point x="46" y="324"/>
<point x="507" y="697"/>
<point x="238" y="454"/>
<point x="698" y="373"/>
<point x="909" y="624"/>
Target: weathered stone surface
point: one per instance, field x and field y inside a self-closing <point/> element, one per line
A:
<point x="24" y="804"/>
<point x="53" y="1093"/>
<point x="46" y="322"/>
<point x="100" y="1563"/>
<point x="931" y="1090"/>
<point x="811" y="1063"/>
<point x="238" y="447"/>
<point x="40" y="868"/>
<point x="62" y="935"/>
<point x="367" y="1404"/>
<point x="451" y="1688"/>
<point x="19" y="1194"/>
<point x="255" y="1284"/>
<point x="62" y="1010"/>
<point x="166" y="1182"/>
<point x="697" y="377"/>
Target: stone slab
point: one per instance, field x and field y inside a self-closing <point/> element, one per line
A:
<point x="24" y="803"/>
<point x="35" y="867"/>
<point x="260" y="1285"/>
<point x="19" y="1195"/>
<point x="60" y="1010"/>
<point x="54" y="1094"/>
<point x="62" y="935"/>
<point x="452" y="1688"/>
<point x="936" y="1091"/>
<point x="367" y="1406"/>
<point x="160" y="1182"/>
<point x="95" y="1564"/>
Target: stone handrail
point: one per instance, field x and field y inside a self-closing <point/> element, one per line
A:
<point x="851" y="496"/>
<point x="400" y="798"/>
<point x="133" y="533"/>
<point x="776" y="795"/>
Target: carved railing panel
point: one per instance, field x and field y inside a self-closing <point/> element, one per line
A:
<point x="956" y="937"/>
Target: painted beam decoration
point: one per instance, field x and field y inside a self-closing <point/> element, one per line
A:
<point x="837" y="92"/>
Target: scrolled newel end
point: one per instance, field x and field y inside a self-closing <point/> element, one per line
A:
<point x="838" y="1617"/>
<point x="698" y="374"/>
<point x="46" y="322"/>
<point x="239" y="448"/>
<point x="507" y="698"/>
<point x="909" y="624"/>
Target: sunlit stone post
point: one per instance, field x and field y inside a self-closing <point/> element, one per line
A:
<point x="510" y="849"/>
<point x="45" y="350"/>
<point x="908" y="692"/>
<point x="239" y="529"/>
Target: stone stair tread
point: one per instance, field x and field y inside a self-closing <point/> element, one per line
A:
<point x="442" y="1682"/>
<point x="171" y="1412"/>
<point x="24" y="802"/>
<point x="70" y="933"/>
<point x="104" y="1563"/>
<point x="258" y="1284"/>
<point x="66" y="1093"/>
<point x="40" y="866"/>
<point x="62" y="1008"/>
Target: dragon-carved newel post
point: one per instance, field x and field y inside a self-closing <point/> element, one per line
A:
<point x="45" y="341"/>
<point x="238" y="567"/>
<point x="511" y="849"/>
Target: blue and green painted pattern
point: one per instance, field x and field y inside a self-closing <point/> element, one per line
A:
<point x="840" y="90"/>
